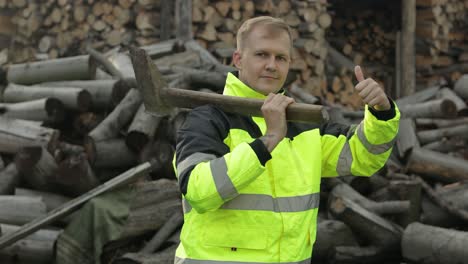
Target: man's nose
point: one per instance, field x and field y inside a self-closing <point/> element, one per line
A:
<point x="271" y="64"/>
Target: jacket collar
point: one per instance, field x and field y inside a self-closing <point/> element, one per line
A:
<point x="235" y="87"/>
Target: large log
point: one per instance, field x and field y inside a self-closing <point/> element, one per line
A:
<point x="48" y="110"/>
<point x="72" y="98"/>
<point x="37" y="167"/>
<point x="51" y="200"/>
<point x="370" y="227"/>
<point x="432" y="108"/>
<point x="451" y="95"/>
<point x="141" y="130"/>
<point x="428" y="136"/>
<point x="119" y="117"/>
<point x="439" y="166"/>
<point x="406" y="139"/>
<point x="461" y="87"/>
<point x="75" y="176"/>
<point x="112" y="153"/>
<point x="16" y="134"/>
<point x="18" y="210"/>
<point x="71" y="68"/>
<point x="433" y="245"/>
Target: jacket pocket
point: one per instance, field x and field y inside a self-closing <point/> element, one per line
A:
<point x="247" y="238"/>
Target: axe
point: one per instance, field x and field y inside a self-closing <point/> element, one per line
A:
<point x="161" y="100"/>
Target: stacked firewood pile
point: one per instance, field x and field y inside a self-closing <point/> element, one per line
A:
<point x="215" y="23"/>
<point x="441" y="28"/>
<point x="58" y="28"/>
<point x="362" y="35"/>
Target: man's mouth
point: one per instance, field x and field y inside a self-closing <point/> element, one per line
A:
<point x="269" y="77"/>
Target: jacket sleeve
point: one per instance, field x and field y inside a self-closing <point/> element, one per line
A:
<point x="208" y="171"/>
<point x="362" y="149"/>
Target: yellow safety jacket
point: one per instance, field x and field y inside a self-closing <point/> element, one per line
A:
<point x="243" y="204"/>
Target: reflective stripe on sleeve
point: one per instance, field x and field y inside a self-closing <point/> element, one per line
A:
<point x="374" y="149"/>
<point x="224" y="185"/>
<point x="191" y="160"/>
<point x="343" y="167"/>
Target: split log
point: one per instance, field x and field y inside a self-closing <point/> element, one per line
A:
<point x="331" y="234"/>
<point x="48" y="110"/>
<point x="371" y="227"/>
<point x="141" y="130"/>
<point x="75" y="176"/>
<point x="119" y="117"/>
<point x="111" y="153"/>
<point x="9" y="179"/>
<point x="428" y="136"/>
<point x="438" y="166"/>
<point x="432" y="108"/>
<point x="37" y="168"/>
<point x="19" y="210"/>
<point x="16" y="134"/>
<point x="430" y="245"/>
<point x="406" y="139"/>
<point x="71" y="68"/>
<point x="72" y="98"/>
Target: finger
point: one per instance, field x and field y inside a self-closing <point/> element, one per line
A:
<point x="374" y="93"/>
<point x="358" y="73"/>
<point x="269" y="98"/>
<point x="366" y="90"/>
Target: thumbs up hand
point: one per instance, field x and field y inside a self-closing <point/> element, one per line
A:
<point x="371" y="92"/>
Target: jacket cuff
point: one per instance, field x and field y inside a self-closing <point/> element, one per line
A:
<point x="261" y="150"/>
<point x="384" y="115"/>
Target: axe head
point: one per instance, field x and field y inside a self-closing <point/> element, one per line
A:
<point x="150" y="83"/>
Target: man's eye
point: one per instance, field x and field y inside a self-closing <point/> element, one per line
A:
<point x="282" y="58"/>
<point x="261" y="54"/>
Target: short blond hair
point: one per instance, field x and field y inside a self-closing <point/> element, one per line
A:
<point x="268" y="21"/>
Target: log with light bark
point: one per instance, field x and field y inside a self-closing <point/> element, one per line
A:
<point x="438" y="166"/>
<point x="406" y="139"/>
<point x="36" y="248"/>
<point x="72" y="98"/>
<point x="191" y="78"/>
<point x="370" y="227"/>
<point x="419" y="97"/>
<point x="16" y="134"/>
<point x="446" y="145"/>
<point x="428" y="136"/>
<point x="433" y="108"/>
<point x="451" y="95"/>
<point x="9" y="179"/>
<point x="51" y="200"/>
<point x="440" y="123"/>
<point x="75" y="176"/>
<point x="119" y="117"/>
<point x="430" y="245"/>
<point x="101" y="90"/>
<point x="18" y="210"/>
<point x="48" y="110"/>
<point x="37" y="168"/>
<point x="111" y="153"/>
<point x="141" y="130"/>
<point x="358" y="255"/>
<point x="70" y="68"/>
<point x="163" y="233"/>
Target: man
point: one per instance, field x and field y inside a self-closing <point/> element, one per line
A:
<point x="250" y="184"/>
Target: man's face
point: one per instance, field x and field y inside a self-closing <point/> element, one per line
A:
<point x="263" y="62"/>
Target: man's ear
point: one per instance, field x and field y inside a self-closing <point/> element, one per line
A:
<point x="236" y="58"/>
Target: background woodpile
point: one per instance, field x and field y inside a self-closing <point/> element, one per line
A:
<point x="59" y="28"/>
<point x="442" y="53"/>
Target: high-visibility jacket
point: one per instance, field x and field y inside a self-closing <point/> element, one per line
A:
<point x="243" y="204"/>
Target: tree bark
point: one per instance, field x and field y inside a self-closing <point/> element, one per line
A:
<point x="439" y="166"/>
<point x="48" y="110"/>
<point x="428" y="136"/>
<point x="71" y="68"/>
<point x="430" y="245"/>
<point x="141" y="130"/>
<point x="19" y="210"/>
<point x="16" y="134"/>
<point x="9" y="179"/>
<point x="72" y="98"/>
<point x="37" y="167"/>
<point x="406" y="139"/>
<point x="75" y="176"/>
<point x="434" y="108"/>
